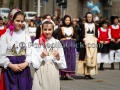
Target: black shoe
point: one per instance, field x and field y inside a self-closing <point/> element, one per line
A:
<point x="62" y="78"/>
<point x="86" y="77"/>
<point x="101" y="66"/>
<point x="112" y="66"/>
<point x="90" y="77"/>
<point x="102" y="69"/>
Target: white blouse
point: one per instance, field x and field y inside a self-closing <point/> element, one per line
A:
<point x="7" y="43"/>
<point x="1" y="27"/>
<point x="37" y="50"/>
<point x="89" y="26"/>
<point x="68" y="31"/>
<point x="32" y="31"/>
<point x="115" y="26"/>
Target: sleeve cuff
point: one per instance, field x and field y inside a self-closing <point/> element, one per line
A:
<point x="57" y="61"/>
<point x="6" y="65"/>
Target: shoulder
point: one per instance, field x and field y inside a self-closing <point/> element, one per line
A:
<point x="99" y="29"/>
<point x="36" y="41"/>
<point x="6" y="35"/>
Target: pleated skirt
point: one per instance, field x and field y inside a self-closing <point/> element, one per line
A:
<point x="46" y="77"/>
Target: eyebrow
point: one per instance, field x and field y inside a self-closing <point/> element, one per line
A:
<point x="47" y="29"/>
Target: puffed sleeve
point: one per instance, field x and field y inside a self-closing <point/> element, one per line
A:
<point x="4" y="61"/>
<point x="36" y="52"/>
<point x="61" y="63"/>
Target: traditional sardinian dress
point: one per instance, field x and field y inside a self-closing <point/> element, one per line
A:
<point x="2" y="81"/>
<point x="67" y="37"/>
<point x="15" y="50"/>
<point x="103" y="49"/>
<point x="88" y="50"/>
<point x="114" y="47"/>
<point x="46" y="75"/>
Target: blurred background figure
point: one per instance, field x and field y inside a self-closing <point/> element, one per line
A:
<point x="96" y="17"/>
<point x="32" y="30"/>
<point x="77" y="31"/>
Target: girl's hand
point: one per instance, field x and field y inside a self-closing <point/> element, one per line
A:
<point x="113" y="40"/>
<point x="63" y="39"/>
<point x="118" y="41"/>
<point x="22" y="66"/>
<point x="106" y="42"/>
<point x="101" y="42"/>
<point x="15" y="67"/>
<point x="44" y="53"/>
<point x="84" y="39"/>
<point x="56" y="54"/>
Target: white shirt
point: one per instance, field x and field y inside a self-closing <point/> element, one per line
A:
<point x="89" y="26"/>
<point x="32" y="31"/>
<point x="68" y="31"/>
<point x="96" y="18"/>
<point x="36" y="52"/>
<point x="1" y="27"/>
<point x="8" y="41"/>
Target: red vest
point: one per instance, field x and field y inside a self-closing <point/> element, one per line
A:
<point x="2" y="31"/>
<point x="103" y="35"/>
<point x="115" y="33"/>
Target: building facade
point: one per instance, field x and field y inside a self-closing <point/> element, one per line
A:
<point x="4" y="3"/>
<point x="75" y="8"/>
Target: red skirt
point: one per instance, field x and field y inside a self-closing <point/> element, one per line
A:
<point x="2" y="82"/>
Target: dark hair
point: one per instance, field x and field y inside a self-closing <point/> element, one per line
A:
<point x="86" y="17"/>
<point x="48" y="22"/>
<point x="113" y="18"/>
<point x="104" y="22"/>
<point x="38" y="31"/>
<point x="63" y="21"/>
<point x="48" y="15"/>
<point x="1" y="18"/>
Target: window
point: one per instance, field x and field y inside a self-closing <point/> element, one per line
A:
<point x="105" y="3"/>
<point x="5" y="11"/>
<point x="31" y="14"/>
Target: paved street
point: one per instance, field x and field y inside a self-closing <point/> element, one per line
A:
<point x="105" y="80"/>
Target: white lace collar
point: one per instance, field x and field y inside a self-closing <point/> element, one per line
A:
<point x="115" y="26"/>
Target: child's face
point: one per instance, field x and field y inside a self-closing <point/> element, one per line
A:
<point x="89" y="17"/>
<point x="1" y="22"/>
<point x="18" y="22"/>
<point x="48" y="30"/>
<point x="105" y="25"/>
<point x="115" y="21"/>
<point x="67" y="21"/>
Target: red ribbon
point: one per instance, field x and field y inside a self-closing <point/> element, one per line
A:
<point x="42" y="39"/>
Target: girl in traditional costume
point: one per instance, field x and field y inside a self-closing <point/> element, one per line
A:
<point x="115" y="42"/>
<point x="66" y="35"/>
<point x="47" y="59"/>
<point x="16" y="53"/>
<point x="88" y="48"/>
<point x="103" y="47"/>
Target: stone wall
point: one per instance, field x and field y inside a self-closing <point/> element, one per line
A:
<point x="74" y="8"/>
